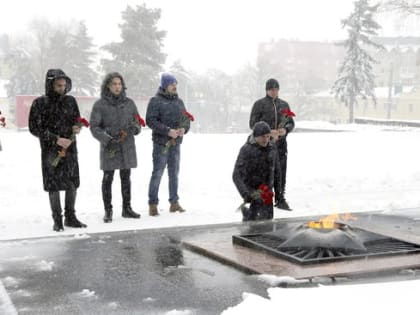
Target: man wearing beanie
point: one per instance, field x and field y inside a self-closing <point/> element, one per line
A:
<point x="269" y="109"/>
<point x="255" y="167"/>
<point x="165" y="117"/>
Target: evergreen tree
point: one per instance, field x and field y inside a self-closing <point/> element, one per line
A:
<point x="84" y="77"/>
<point x="24" y="80"/>
<point x="59" y="53"/>
<point x="182" y="76"/>
<point x="51" y="47"/>
<point x="72" y="52"/>
<point x="355" y="75"/>
<point x="138" y="56"/>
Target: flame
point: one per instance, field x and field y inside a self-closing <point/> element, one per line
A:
<point x="329" y="222"/>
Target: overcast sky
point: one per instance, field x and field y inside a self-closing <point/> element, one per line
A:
<point x="203" y="34"/>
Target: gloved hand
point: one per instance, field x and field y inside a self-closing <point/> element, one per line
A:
<point x="257" y="202"/>
<point x="133" y="130"/>
<point x="114" y="140"/>
<point x="248" y="198"/>
<point x="122" y="135"/>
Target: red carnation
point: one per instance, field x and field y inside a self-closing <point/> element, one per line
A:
<point x="287" y="112"/>
<point x="190" y="117"/>
<point x="63" y="151"/>
<point x="266" y="194"/>
<point x="83" y="121"/>
<point x="140" y="120"/>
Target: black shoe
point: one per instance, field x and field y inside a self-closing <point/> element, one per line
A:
<point x="129" y="213"/>
<point x="108" y="216"/>
<point x="283" y="205"/>
<point x="72" y="221"/>
<point x="58" y="224"/>
<point x="246" y="213"/>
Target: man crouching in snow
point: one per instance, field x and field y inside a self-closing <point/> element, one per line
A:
<point x="254" y="174"/>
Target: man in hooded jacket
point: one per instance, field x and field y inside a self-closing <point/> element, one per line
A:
<point x="53" y="119"/>
<point x="113" y="123"/>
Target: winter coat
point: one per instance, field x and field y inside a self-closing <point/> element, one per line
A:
<point x="52" y="116"/>
<point x="269" y="110"/>
<point x="254" y="167"/>
<point x="110" y="115"/>
<point x="165" y="112"/>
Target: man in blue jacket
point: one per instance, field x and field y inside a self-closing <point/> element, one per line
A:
<point x="166" y="117"/>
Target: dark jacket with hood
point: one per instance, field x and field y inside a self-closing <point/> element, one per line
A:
<point x="269" y="110"/>
<point x="110" y="115"/>
<point x="164" y="112"/>
<point x="53" y="116"/>
<point x="254" y="166"/>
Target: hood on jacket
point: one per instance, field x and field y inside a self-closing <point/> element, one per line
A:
<point x="52" y="75"/>
<point x="105" y="92"/>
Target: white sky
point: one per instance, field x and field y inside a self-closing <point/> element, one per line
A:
<point x="203" y="34"/>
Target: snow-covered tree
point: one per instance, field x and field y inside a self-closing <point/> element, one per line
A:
<point x="138" y="56"/>
<point x="72" y="51"/>
<point x="83" y="56"/>
<point x="51" y="46"/>
<point x="355" y="75"/>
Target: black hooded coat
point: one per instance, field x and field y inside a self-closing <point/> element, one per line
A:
<point x="53" y="116"/>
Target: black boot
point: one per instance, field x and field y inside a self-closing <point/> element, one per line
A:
<point x="70" y="219"/>
<point x="107" y="195"/>
<point x="56" y="211"/>
<point x="282" y="204"/>
<point x="127" y="211"/>
<point x="108" y="216"/>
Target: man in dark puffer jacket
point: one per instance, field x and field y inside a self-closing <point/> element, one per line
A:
<point x="254" y="167"/>
<point x="166" y="117"/>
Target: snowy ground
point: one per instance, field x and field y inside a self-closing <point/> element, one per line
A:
<point x="363" y="169"/>
<point x="369" y="168"/>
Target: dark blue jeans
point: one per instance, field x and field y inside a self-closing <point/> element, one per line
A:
<point x="160" y="160"/>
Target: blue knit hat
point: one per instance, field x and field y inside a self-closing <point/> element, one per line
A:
<point x="166" y="80"/>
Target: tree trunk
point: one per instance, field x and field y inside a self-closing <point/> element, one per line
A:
<point x="351" y="110"/>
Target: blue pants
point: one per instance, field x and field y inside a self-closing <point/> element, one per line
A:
<point x="160" y="160"/>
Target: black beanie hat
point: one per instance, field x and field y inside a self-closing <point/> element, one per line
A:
<point x="261" y="128"/>
<point x="272" y="84"/>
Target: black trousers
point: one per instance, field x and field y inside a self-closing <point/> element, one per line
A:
<point x="69" y="203"/>
<point x="125" y="188"/>
<point x="280" y="171"/>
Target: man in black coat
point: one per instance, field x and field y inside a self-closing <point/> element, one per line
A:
<point x="53" y="119"/>
<point x="166" y="117"/>
<point x="254" y="167"/>
<point x="269" y="109"/>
